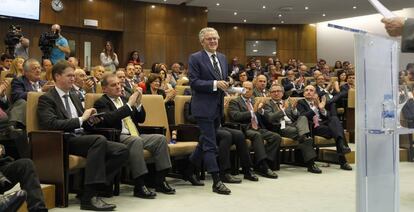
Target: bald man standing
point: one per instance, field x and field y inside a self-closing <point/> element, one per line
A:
<point x="61" y="47"/>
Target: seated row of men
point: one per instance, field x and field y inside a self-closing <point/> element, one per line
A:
<point x="61" y="109"/>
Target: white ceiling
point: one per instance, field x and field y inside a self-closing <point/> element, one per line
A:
<point x="252" y="10"/>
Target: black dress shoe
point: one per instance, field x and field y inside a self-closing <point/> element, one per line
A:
<point x="346" y="166"/>
<point x="249" y="175"/>
<point x="314" y="169"/>
<point x="144" y="192"/>
<point x="228" y="178"/>
<point x="193" y="180"/>
<point x="13" y="201"/>
<point x="220" y="188"/>
<point x="267" y="173"/>
<point x="97" y="204"/>
<point x="165" y="188"/>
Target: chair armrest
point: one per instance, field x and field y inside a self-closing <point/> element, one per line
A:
<point x="50" y="155"/>
<point x="152" y="130"/>
<point x="111" y="134"/>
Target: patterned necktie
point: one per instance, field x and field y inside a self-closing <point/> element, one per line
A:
<point x="254" y="118"/>
<point x="216" y="68"/>
<point x="129" y="124"/>
<point x="67" y="106"/>
<point x="315" y="118"/>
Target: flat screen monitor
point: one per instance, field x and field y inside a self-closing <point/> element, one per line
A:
<point x="26" y="9"/>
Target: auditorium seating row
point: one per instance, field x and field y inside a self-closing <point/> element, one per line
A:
<point x="54" y="164"/>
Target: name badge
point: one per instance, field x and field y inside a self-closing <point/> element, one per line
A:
<point x="282" y="124"/>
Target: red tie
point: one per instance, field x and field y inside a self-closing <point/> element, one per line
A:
<point x="253" y="120"/>
<point x="315" y="118"/>
<point x="3" y="115"/>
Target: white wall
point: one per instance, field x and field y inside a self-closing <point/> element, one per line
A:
<point x="334" y="44"/>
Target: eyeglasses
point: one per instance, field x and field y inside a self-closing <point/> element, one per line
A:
<point x="276" y="91"/>
<point x="211" y="38"/>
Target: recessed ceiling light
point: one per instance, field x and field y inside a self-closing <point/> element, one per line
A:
<point x="257" y="41"/>
<point x="244" y="20"/>
<point x="273" y="53"/>
<point x="255" y="50"/>
<point x="312" y="25"/>
<point x="206" y="10"/>
<point x="165" y="0"/>
<point x="235" y="13"/>
<point x="217" y="4"/>
<point x="273" y="28"/>
<point x="90" y="0"/>
<point x="280" y="15"/>
<point x="306" y="8"/>
<point x="152" y="6"/>
<point x="324" y="15"/>
<point x="235" y="27"/>
<point x="354" y="7"/>
<point x="264" y="6"/>
<point x="282" y="22"/>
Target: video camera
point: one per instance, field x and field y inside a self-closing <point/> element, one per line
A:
<point x="12" y="38"/>
<point x="46" y="42"/>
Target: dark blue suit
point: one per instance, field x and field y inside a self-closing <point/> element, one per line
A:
<point x="206" y="106"/>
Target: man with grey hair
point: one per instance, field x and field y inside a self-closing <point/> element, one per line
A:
<point x="73" y="61"/>
<point x="207" y="73"/>
<point x="20" y="86"/>
<point x="61" y="47"/>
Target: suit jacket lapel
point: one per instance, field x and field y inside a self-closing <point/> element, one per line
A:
<point x="59" y="103"/>
<point x="222" y="62"/>
<point x="112" y="106"/>
<point x="77" y="103"/>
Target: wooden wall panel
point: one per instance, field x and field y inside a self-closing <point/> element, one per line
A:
<point x="112" y="17"/>
<point x="293" y="41"/>
<point x="173" y="46"/>
<point x="155" y="49"/>
<point x="156" y="19"/>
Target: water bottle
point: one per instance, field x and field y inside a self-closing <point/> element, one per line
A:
<point x="173" y="137"/>
<point x="388" y="113"/>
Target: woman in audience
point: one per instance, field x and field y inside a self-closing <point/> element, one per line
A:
<point x="16" y="68"/>
<point x="165" y="81"/>
<point x="134" y="58"/>
<point x="109" y="59"/>
<point x="338" y="65"/>
<point x="153" y="85"/>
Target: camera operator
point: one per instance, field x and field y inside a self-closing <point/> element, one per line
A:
<point x="61" y="46"/>
<point x="22" y="48"/>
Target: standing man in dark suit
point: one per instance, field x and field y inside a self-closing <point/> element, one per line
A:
<point x="125" y="114"/>
<point x="243" y="110"/>
<point x="322" y="123"/>
<point x="207" y="73"/>
<point x="400" y="26"/>
<point x="58" y="109"/>
<point x="283" y="116"/>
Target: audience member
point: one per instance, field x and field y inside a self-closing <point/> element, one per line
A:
<point x="260" y="89"/>
<point x="47" y="70"/>
<point x="6" y="60"/>
<point x="134" y="58"/>
<point x="322" y="123"/>
<point x="125" y="114"/>
<point x="282" y="116"/>
<point x="244" y="111"/>
<point x="108" y="57"/>
<point x="16" y="68"/>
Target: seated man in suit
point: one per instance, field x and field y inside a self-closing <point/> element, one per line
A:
<point x="322" y="123"/>
<point x="81" y="84"/>
<point x="125" y="115"/>
<point x="126" y="92"/>
<point x="260" y="86"/>
<point x="130" y="81"/>
<point x="241" y="111"/>
<point x="58" y="109"/>
<point x="292" y="86"/>
<point x="283" y="116"/>
<point x="226" y="137"/>
<point x="21" y="171"/>
<point x="30" y="81"/>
